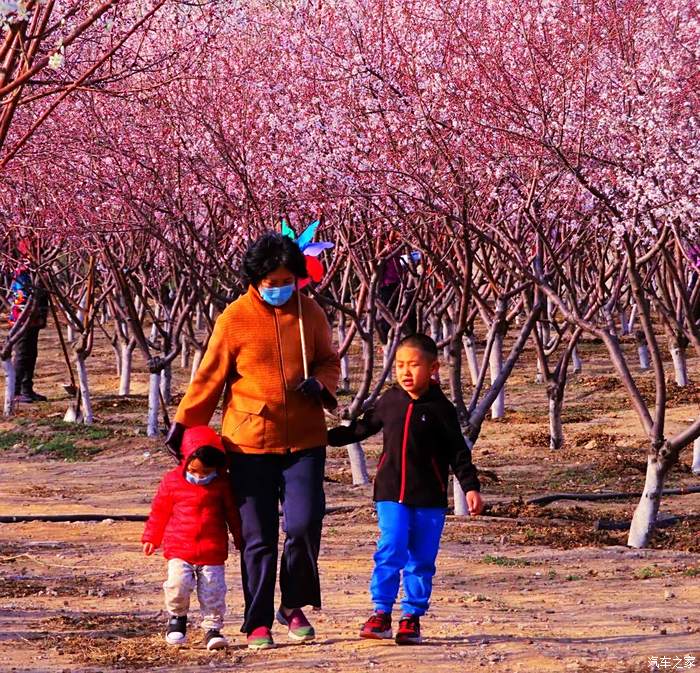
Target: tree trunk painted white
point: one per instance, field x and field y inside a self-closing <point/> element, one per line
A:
<point x="166" y="384"/>
<point x="345" y="360"/>
<point x="447" y="332"/>
<point x="196" y="360"/>
<point x="126" y="362"/>
<point x="460" y="498"/>
<point x="539" y="377"/>
<point x="498" y="408"/>
<point x="154" y="326"/>
<point x="70" y="334"/>
<point x="184" y="353"/>
<point x="680" y="366"/>
<point x="358" y="463"/>
<point x="632" y="319"/>
<point x="556" y="428"/>
<point x="647" y="509"/>
<point x="9" y="404"/>
<point x="86" y="400"/>
<point x="576" y="361"/>
<point x="435" y="328"/>
<point x="624" y="323"/>
<point x="469" y="343"/>
<point x="153" y="405"/>
<point x="385" y="361"/>
<point x="642" y="350"/>
<point x="212" y="311"/>
<point x="696" y="456"/>
<point x="199" y="318"/>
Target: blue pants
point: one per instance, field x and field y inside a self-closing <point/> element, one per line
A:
<point x="409" y="540"/>
<point x="261" y="482"/>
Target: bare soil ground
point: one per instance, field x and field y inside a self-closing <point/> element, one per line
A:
<point x="522" y="588"/>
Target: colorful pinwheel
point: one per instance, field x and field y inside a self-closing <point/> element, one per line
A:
<point x="310" y="250"/>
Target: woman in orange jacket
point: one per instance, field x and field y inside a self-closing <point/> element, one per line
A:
<point x="273" y="428"/>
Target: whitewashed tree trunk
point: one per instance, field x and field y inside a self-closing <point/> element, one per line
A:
<point x="10" y="378"/>
<point x="345" y="360"/>
<point x="86" y="400"/>
<point x="199" y="318"/>
<point x="358" y="463"/>
<point x="385" y="361"/>
<point x="460" y="498"/>
<point x="154" y="326"/>
<point x="447" y="331"/>
<point x="576" y="361"/>
<point x="624" y="323"/>
<point x="498" y="408"/>
<point x="153" y="405"/>
<point x="696" y="456"/>
<point x="647" y="509"/>
<point x="632" y="319"/>
<point x="70" y="334"/>
<point x="127" y="353"/>
<point x="680" y="365"/>
<point x="184" y="353"/>
<point x="539" y="376"/>
<point x="196" y="360"/>
<point x="212" y="311"/>
<point x="435" y="328"/>
<point x="166" y="384"/>
<point x="556" y="428"/>
<point x="642" y="351"/>
<point x="469" y="343"/>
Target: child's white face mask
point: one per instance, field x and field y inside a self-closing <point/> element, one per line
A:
<point x="200" y="481"/>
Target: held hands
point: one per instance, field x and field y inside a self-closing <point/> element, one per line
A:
<point x="475" y="503"/>
<point x="149" y="548"/>
<point x="310" y="387"/>
<point x="173" y="440"/>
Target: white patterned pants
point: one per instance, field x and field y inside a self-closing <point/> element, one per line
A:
<point x="210" y="582"/>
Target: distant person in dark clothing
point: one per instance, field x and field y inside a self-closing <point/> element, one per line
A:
<point x="27" y="347"/>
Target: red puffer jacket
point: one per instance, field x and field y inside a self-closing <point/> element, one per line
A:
<point x="190" y="521"/>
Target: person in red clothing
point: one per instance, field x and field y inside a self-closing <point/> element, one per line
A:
<point x="189" y="516"/>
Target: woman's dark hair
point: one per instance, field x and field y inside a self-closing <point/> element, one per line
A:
<point x="210" y="456"/>
<point x="269" y="252"/>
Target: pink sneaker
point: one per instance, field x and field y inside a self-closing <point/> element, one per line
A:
<point x="260" y="639"/>
<point x="300" y="630"/>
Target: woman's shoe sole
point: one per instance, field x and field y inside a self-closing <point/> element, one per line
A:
<point x="384" y="635"/>
<point x="217" y="644"/>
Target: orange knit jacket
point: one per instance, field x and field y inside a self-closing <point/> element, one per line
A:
<point x="254" y="356"/>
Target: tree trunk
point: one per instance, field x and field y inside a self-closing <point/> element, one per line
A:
<point x="556" y="429"/>
<point x="345" y="360"/>
<point x="358" y="463"/>
<point x="447" y="331"/>
<point x="642" y="350"/>
<point x="127" y="353"/>
<point x="469" y="343"/>
<point x="9" y="405"/>
<point x="88" y="418"/>
<point x="460" y="499"/>
<point x="644" y="518"/>
<point x="539" y="376"/>
<point x="196" y="360"/>
<point x="166" y="383"/>
<point x="680" y="368"/>
<point x="153" y="405"/>
<point x="498" y="408"/>
<point x="696" y="456"/>
<point x="576" y="360"/>
<point x="624" y="323"/>
<point x="184" y="353"/>
<point x="386" y="356"/>
<point x="199" y="318"/>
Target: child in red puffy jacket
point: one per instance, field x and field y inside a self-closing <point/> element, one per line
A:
<point x="189" y="516"/>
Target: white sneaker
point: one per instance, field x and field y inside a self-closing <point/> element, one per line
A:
<point x="176" y="631"/>
<point x="215" y="641"/>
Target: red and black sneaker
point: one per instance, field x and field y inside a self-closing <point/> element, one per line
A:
<point x="377" y="627"/>
<point x="409" y="631"/>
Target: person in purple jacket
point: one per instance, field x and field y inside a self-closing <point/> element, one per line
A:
<point x="422" y="439"/>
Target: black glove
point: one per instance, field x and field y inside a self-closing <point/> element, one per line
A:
<point x="310" y="387"/>
<point x="173" y="440"/>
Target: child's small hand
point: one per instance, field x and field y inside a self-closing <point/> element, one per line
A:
<point x="475" y="502"/>
<point x="149" y="548"/>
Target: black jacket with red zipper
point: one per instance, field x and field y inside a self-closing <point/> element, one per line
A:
<point x="422" y="439"/>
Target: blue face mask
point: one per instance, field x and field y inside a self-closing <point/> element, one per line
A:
<point x="277" y="296"/>
<point x="200" y="481"/>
